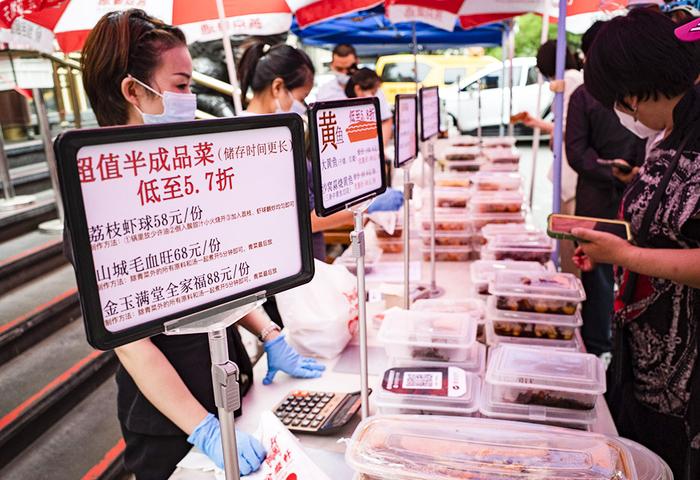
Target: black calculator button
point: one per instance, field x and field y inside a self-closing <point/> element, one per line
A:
<point x="292" y="415"/>
<point x="289" y="409"/>
<point x="306" y="410"/>
<point x="297" y="409"/>
<point x="303" y="404"/>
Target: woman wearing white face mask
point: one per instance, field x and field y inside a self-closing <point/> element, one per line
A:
<point x="638" y="67"/>
<point x="136" y="70"/>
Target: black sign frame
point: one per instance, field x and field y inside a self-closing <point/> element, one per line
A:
<point x="399" y="98"/>
<point x="421" y="92"/>
<point x="67" y="146"/>
<point x="321" y="209"/>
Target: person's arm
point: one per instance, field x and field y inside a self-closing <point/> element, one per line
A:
<point x="255" y="322"/>
<point x="388" y="131"/>
<point x="157" y="379"/>
<point x="676" y="264"/>
<point x="337" y="220"/>
<point x="579" y="152"/>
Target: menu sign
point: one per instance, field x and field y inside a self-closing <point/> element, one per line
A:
<point x="170" y="220"/>
<point x="406" y="128"/>
<point x="429" y="112"/>
<point x="347" y="153"/>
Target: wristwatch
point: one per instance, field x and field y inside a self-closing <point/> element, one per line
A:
<point x="268" y="330"/>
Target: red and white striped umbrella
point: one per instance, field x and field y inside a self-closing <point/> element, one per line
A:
<point x="10" y="10"/>
<point x="72" y="21"/>
<point x="309" y="12"/>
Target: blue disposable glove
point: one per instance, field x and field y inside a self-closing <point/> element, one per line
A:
<point x="389" y="201"/>
<point x="280" y="356"/>
<point x="207" y="437"/>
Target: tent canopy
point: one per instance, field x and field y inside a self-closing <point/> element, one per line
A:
<point x="370" y="32"/>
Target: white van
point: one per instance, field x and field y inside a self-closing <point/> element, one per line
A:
<point x="462" y="101"/>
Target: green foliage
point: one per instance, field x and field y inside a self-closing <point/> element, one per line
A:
<point x="527" y="36"/>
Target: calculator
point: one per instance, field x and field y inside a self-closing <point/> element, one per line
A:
<point x="320" y="413"/>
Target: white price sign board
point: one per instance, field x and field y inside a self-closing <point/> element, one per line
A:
<point x="171" y="220"/>
<point x="347" y="153"/>
<point x="406" y="127"/>
<point x="429" y="112"/>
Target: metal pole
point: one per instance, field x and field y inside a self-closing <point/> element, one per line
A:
<point x="52" y="226"/>
<point x="538" y="108"/>
<point x="478" y="111"/>
<point x="226" y="397"/>
<point x="558" y="115"/>
<point x="74" y="100"/>
<point x="358" y="245"/>
<point x="502" y="81"/>
<point x="10" y="201"/>
<point x="407" y="195"/>
<point x="511" y="54"/>
<point x="459" y="101"/>
<point x="431" y="181"/>
<point x="230" y="62"/>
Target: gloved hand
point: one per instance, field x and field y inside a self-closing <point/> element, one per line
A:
<point x="207" y="437"/>
<point x="389" y="201"/>
<point x="280" y="356"/>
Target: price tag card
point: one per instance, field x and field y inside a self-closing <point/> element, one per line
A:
<point x="347" y="153"/>
<point x="167" y="221"/>
<point x="429" y="112"/>
<point x="406" y="128"/>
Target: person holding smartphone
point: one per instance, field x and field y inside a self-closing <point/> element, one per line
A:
<point x="638" y="67"/>
<point x="599" y="148"/>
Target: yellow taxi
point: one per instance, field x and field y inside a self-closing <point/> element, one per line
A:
<point x="396" y="71"/>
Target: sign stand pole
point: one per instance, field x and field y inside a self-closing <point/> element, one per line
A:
<point x="357" y="237"/>
<point x="10" y="201"/>
<point x="51" y="226"/>
<point x="407" y="196"/>
<point x="435" y="291"/>
<point x="224" y="372"/>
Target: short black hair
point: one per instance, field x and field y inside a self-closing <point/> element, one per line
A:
<point x="589" y="36"/>
<point x="344" y="49"/>
<point x="547" y="59"/>
<point x="366" y="78"/>
<point x="638" y="55"/>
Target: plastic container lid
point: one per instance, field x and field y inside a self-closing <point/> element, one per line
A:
<point x="435" y="389"/>
<point x="483" y="271"/>
<point x="494" y="229"/>
<point x="493" y="340"/>
<point x="649" y="465"/>
<point x="497" y="198"/>
<point x="472" y="307"/>
<point x="490" y="142"/>
<point x="403" y="447"/>
<point x="448" y="248"/>
<point x="475" y="361"/>
<point x="493" y="313"/>
<point x="480" y="220"/>
<point x="547" y="285"/>
<point x="427" y="329"/>
<point x="490" y="181"/>
<point x="453" y="180"/>
<point x="531" y="241"/>
<point x="461" y="153"/>
<point x="548" y="369"/>
<point x="501" y="154"/>
<point x="450" y="219"/>
<point x="492" y="408"/>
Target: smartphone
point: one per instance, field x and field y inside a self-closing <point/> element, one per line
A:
<point x="431" y="381"/>
<point x="560" y="226"/>
<point x="624" y="167"/>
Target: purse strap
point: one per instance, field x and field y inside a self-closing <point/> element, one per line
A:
<point x="650" y="212"/>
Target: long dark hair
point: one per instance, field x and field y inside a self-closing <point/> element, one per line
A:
<point x="365" y="78"/>
<point x="127" y="42"/>
<point x="261" y="64"/>
<point x="547" y="59"/>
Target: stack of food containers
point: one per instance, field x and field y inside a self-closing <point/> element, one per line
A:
<point x="535" y="308"/>
<point x="391" y="242"/>
<point x="462" y="159"/>
<point x="472" y="307"/>
<point x="496" y="181"/>
<point x="496" y="207"/>
<point x="426" y="350"/>
<point x="542" y="385"/>
<point x="529" y="247"/>
<point x="484" y="271"/>
<point x="454" y="235"/>
<point x="501" y="159"/>
<point x="422" y="448"/>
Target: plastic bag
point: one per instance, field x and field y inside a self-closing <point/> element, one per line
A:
<point x="321" y="317"/>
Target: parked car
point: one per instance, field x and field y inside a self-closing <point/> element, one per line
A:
<point x="397" y="74"/>
<point x="462" y="100"/>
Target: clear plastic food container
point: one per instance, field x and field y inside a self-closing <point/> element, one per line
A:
<point x="465" y="141"/>
<point x="443" y="337"/>
<point x="495" y="229"/>
<point x="497" y="202"/>
<point x="649" y="465"/>
<point x="445" y="238"/>
<point x="550" y="292"/>
<point x="480" y="220"/>
<point x="452" y="197"/>
<point x="453" y="180"/>
<point x="545" y="377"/>
<point x="461" y="153"/>
<point x="464" y="166"/>
<point x="474" y="363"/>
<point x="573" y="345"/>
<point x="493" y="142"/>
<point x="447" y="220"/>
<point x="390" y="245"/>
<point x="497" y="181"/>
<point x="460" y="253"/>
<point x="372" y="256"/>
<point x="483" y="271"/>
<point x="507" y="155"/>
<point x="532" y="247"/>
<point x="507" y="323"/>
<point x="414" y="447"/>
<point x="471" y="306"/>
<point x="429" y="390"/>
<point x="491" y="407"/>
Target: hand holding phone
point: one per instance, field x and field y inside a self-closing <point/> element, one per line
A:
<point x="618" y="163"/>
<point x="560" y="226"/>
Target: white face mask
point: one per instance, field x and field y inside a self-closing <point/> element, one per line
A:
<point x="297" y="107"/>
<point x="177" y="107"/>
<point x="342" y="78"/>
<point x="635" y="126"/>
